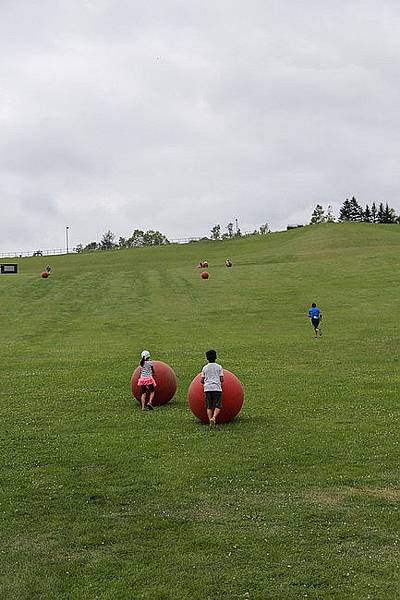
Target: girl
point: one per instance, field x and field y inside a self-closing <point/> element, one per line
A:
<point x="146" y="380"/>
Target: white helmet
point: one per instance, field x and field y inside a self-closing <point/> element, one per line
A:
<point x="145" y="354"/>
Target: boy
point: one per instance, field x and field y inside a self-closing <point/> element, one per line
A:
<point x="315" y="315"/>
<point x="212" y="377"/>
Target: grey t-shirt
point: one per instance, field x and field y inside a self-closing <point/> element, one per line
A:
<point x="212" y="373"/>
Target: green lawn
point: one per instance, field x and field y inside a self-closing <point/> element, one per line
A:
<point x="297" y="498"/>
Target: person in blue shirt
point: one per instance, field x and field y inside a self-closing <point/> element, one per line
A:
<point x="315" y="315"/>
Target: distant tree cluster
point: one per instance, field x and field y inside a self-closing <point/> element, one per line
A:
<point x="138" y="239"/>
<point x="351" y="210"/>
<point x="320" y="216"/>
<point x="232" y="232"/>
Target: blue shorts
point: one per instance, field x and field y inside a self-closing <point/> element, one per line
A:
<point x="315" y="322"/>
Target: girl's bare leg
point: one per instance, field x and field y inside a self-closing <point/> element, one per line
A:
<point x="151" y="397"/>
<point x="143" y="400"/>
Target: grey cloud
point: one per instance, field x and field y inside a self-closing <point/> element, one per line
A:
<point x="177" y="115"/>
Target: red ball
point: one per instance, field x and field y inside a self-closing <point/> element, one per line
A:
<point x="45" y="274"/>
<point x="204" y="275"/>
<point x="165" y="379"/>
<point x="232" y="398"/>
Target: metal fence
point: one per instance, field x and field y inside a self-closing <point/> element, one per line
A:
<point x="24" y="253"/>
<point x="59" y="251"/>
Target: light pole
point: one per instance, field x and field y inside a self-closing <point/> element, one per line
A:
<point x="66" y="237"/>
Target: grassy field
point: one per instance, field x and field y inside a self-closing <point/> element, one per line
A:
<point x="297" y="498"/>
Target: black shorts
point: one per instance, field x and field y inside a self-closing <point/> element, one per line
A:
<point x="213" y="399"/>
<point x="146" y="388"/>
<point x="315" y="323"/>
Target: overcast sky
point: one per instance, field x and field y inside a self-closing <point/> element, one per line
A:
<point x="179" y="114"/>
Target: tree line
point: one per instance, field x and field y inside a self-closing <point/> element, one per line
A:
<point x="231" y="232"/>
<point x="351" y="210"/>
<point x="140" y="238"/>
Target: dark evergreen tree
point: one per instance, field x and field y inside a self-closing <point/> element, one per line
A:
<point x="380" y="217"/>
<point x="356" y="210"/>
<point x="374" y="213"/>
<point x="389" y="214"/>
<point x="367" y="215"/>
<point x="345" y="211"/>
<point x="318" y="215"/>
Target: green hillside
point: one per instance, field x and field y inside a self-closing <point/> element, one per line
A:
<point x="297" y="498"/>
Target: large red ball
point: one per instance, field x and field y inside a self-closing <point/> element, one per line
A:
<point x="165" y="379"/>
<point x="232" y="398"/>
<point x="45" y="274"/>
<point x="204" y="275"/>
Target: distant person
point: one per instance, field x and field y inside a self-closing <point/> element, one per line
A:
<point x="146" y="381"/>
<point x="316" y="317"/>
<point x="228" y="262"/>
<point x="212" y="376"/>
<point x="48" y="269"/>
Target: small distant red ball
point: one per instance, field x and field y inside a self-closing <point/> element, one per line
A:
<point x="232" y="398"/>
<point x="165" y="379"/>
<point x="45" y="274"/>
<point x="205" y="275"/>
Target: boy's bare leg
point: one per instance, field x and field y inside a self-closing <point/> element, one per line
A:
<point x="210" y="414"/>
<point x="216" y="413"/>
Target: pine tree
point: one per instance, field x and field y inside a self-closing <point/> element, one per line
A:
<point x="356" y="210"/>
<point x="374" y="213"/>
<point x="367" y="215"/>
<point x="389" y="215"/>
<point x="345" y="211"/>
<point x="318" y="215"/>
<point x="380" y="217"/>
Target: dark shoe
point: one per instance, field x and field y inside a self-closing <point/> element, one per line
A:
<point x="150" y="407"/>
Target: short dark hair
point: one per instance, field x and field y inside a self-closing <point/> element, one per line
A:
<point x="313" y="305"/>
<point x="211" y="355"/>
